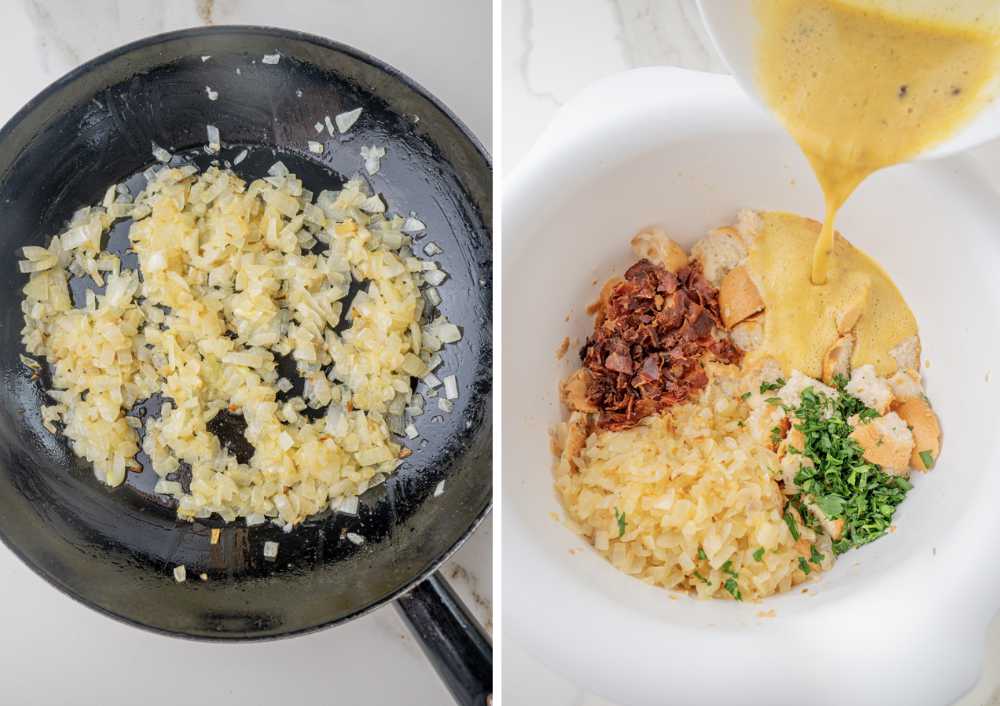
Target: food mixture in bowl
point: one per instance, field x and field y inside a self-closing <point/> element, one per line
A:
<point x="233" y="280"/>
<point x="733" y="428"/>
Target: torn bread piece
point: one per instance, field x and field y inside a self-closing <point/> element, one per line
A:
<point x="748" y="335"/>
<point x="719" y="252"/>
<point x="574" y="391"/>
<point x="837" y="360"/>
<point x="791" y="393"/>
<point x="867" y="386"/>
<point x="834" y="528"/>
<point x="905" y="385"/>
<point x="598" y="308"/>
<point x="849" y="317"/>
<point x="577" y="431"/>
<point x="739" y="297"/>
<point x="926" y="429"/>
<point x="656" y="246"/>
<point x="885" y="441"/>
<point x="907" y="353"/>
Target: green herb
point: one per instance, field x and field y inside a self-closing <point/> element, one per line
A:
<point x="727" y="568"/>
<point x="703" y="579"/>
<point x="776" y="385"/>
<point x="773" y="400"/>
<point x="620" y="518"/>
<point x="928" y="458"/>
<point x="745" y="396"/>
<point x="759" y="554"/>
<point x="740" y="423"/>
<point x="734" y="590"/>
<point x="804" y="565"/>
<point x="832" y="505"/>
<point x="790" y="521"/>
<point x="775" y="435"/>
<point x="814" y="556"/>
<point x="840" y="481"/>
<point x="702" y="555"/>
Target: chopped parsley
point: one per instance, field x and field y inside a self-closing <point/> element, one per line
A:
<point x="620" y="518"/>
<point x="758" y="555"/>
<point x="734" y="590"/>
<point x="702" y="555"/>
<point x="773" y="400"/>
<point x="775" y="435"/>
<point x="745" y="396"/>
<point x="840" y="481"/>
<point x="769" y="386"/>
<point x="928" y="458"/>
<point x="790" y="521"/>
<point x="804" y="565"/>
<point x="727" y="568"/>
<point x="703" y="579"/>
<point x="814" y="556"/>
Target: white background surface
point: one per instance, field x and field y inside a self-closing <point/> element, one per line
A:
<point x="55" y="651"/>
<point x="551" y="50"/>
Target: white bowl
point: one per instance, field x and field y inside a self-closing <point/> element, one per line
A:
<point x="733" y="28"/>
<point x="900" y="621"/>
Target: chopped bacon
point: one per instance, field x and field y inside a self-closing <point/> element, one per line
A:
<point x="650" y="337"/>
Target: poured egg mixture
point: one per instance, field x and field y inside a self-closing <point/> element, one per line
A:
<point x="860" y="87"/>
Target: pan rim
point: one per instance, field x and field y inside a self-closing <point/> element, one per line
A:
<point x="89" y="66"/>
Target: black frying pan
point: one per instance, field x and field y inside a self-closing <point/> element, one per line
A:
<point x="114" y="549"/>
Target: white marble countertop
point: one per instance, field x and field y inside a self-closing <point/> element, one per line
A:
<point x="55" y="651"/>
<point x="551" y="50"/>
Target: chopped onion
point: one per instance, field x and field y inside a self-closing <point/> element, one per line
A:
<point x="240" y="157"/>
<point x="372" y="156"/>
<point x="411" y="225"/>
<point x="318" y="127"/>
<point x="346" y="120"/>
<point x="180" y="573"/>
<point x="431" y="380"/>
<point x="432" y="249"/>
<point x="451" y="387"/>
<point x="254" y="519"/>
<point x="270" y="550"/>
<point x="435" y="277"/>
<point x="329" y="126"/>
<point x="411" y="431"/>
<point x="445" y="405"/>
<point x="315" y="147"/>
<point x="160" y="154"/>
<point x="448" y="333"/>
<point x="439" y="490"/>
<point x="214" y="139"/>
<point x="355" y="538"/>
<point x="206" y="58"/>
<point x="431" y="295"/>
<point x="373" y="204"/>
<point x="349" y="506"/>
<point x="212" y="95"/>
<point x="271" y="58"/>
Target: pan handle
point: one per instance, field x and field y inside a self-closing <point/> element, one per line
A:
<point x="452" y="639"/>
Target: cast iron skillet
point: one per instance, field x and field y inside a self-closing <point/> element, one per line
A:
<point x="114" y="549"/>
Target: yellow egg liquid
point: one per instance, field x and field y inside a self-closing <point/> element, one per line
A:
<point x="861" y="88"/>
<point x="801" y="321"/>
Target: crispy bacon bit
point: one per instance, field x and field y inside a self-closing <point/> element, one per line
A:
<point x="650" y="337"/>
